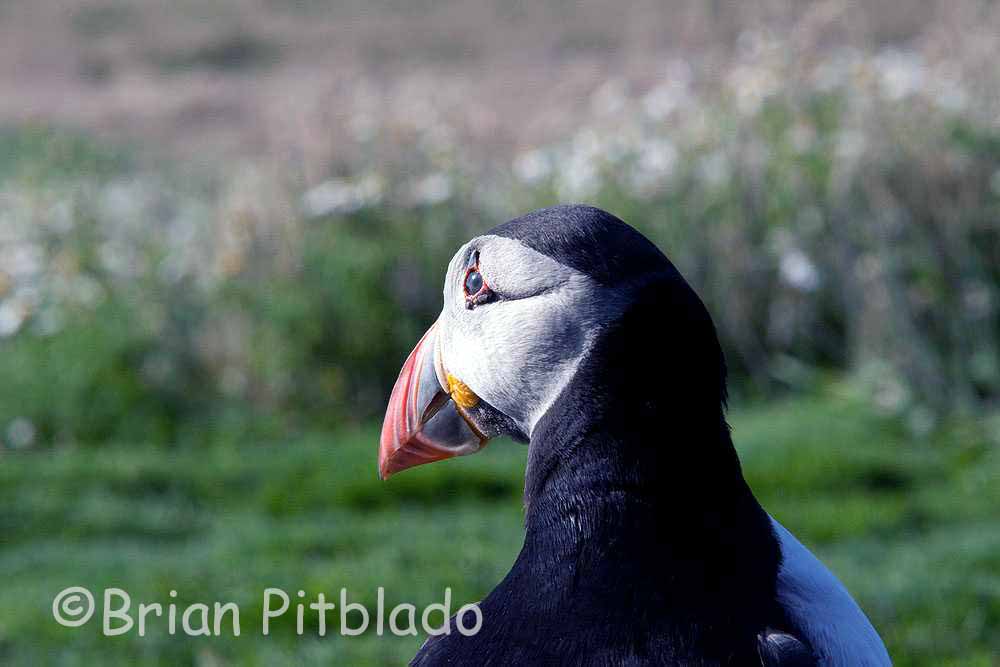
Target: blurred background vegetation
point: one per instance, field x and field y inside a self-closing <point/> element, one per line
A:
<point x="223" y="226"/>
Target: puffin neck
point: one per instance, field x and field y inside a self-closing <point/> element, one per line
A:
<point x="630" y="468"/>
<point x="634" y="489"/>
<point x="644" y="410"/>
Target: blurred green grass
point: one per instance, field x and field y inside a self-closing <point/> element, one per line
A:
<point x="908" y="525"/>
<point x="164" y="324"/>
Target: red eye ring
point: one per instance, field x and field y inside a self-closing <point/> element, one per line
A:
<point x="476" y="290"/>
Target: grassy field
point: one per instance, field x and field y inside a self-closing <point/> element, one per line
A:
<point x="909" y="526"/>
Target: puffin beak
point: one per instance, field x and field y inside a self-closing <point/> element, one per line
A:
<point x="423" y="423"/>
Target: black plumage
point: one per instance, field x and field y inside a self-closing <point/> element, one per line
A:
<point x="644" y="545"/>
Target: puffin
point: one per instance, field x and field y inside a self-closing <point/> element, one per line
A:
<point x="568" y="330"/>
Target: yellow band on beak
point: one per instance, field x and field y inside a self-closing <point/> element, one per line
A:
<point x="460" y="393"/>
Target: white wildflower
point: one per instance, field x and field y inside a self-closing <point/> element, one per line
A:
<point x="752" y="84"/>
<point x="340" y="196"/>
<point x="22" y="260"/>
<point x="900" y="73"/>
<point x="579" y="178"/>
<point x="432" y="189"/>
<point x="654" y="164"/>
<point x="798" y="271"/>
<point x="837" y="70"/>
<point x="579" y="175"/>
<point x="21" y="433"/>
<point x="532" y="166"/>
<point x="890" y="395"/>
<point x="12" y="316"/>
<point x="658" y="155"/>
<point x="670" y="94"/>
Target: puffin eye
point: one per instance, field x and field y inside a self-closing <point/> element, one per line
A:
<point x="473" y="282"/>
<point x="477" y="292"/>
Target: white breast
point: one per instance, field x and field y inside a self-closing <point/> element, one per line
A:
<point x="822" y="611"/>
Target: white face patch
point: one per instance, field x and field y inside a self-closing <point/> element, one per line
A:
<point x="519" y="351"/>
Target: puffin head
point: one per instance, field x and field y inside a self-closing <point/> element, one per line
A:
<point x="525" y="305"/>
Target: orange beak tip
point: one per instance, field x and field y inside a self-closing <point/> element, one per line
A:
<point x="422" y="423"/>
